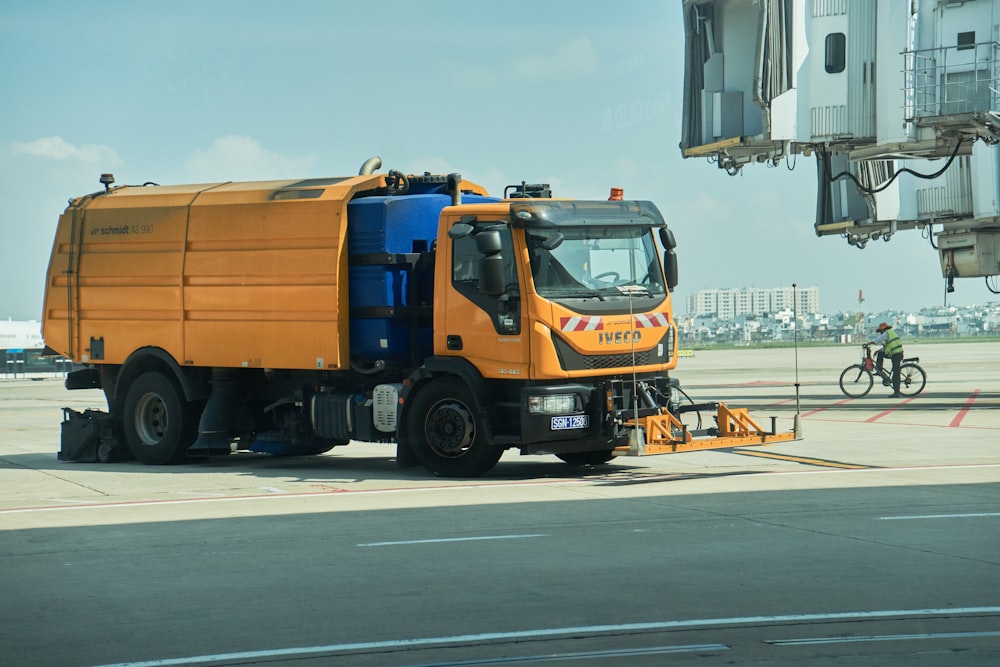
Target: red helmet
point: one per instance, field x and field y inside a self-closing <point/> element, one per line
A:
<point x="883" y="326"/>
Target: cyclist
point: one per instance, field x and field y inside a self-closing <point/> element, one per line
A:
<point x="892" y="347"/>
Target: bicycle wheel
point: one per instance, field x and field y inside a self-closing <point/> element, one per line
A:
<point x="912" y="379"/>
<point x="856" y="381"/>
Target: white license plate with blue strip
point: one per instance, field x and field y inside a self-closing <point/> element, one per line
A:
<point x="566" y="423"/>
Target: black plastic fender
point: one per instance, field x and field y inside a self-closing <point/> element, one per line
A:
<point x="435" y="367"/>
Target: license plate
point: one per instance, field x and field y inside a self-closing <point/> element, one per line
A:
<point x="576" y="421"/>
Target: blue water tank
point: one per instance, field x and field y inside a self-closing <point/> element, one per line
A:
<point x="392" y="225"/>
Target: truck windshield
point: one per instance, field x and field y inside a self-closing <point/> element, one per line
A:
<point x="595" y="262"/>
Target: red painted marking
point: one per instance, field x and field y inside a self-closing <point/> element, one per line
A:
<point x="956" y="422"/>
<point x="915" y="424"/>
<point x="787" y="400"/>
<point x="887" y="412"/>
<point x="812" y="412"/>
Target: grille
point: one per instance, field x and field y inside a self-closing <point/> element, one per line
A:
<point x="616" y="360"/>
<point x="570" y="360"/>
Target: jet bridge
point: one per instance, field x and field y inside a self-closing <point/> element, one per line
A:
<point x="899" y="102"/>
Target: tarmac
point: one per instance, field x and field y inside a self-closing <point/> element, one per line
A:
<point x="952" y="429"/>
<point x="872" y="540"/>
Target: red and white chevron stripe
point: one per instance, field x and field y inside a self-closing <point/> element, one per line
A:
<point x="581" y="323"/>
<point x="648" y="320"/>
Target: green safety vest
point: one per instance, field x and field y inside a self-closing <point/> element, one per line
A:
<point x="893" y="344"/>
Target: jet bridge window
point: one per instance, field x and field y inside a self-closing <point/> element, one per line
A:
<point x="966" y="41"/>
<point x="836" y="52"/>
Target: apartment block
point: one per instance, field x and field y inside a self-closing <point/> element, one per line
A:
<point x="727" y="304"/>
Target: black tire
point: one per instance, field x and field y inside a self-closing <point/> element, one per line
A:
<point x="446" y="431"/>
<point x="159" y="424"/>
<point x="594" y="458"/>
<point x="912" y="379"/>
<point x="856" y="381"/>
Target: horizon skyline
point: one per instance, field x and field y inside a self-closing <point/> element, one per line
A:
<point x="994" y="304"/>
<point x="803" y="295"/>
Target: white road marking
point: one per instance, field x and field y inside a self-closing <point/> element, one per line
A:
<point x="878" y="638"/>
<point x="449" y="539"/>
<point x="560" y="657"/>
<point x="454" y="487"/>
<point x="292" y="495"/>
<point x="555" y="632"/>
<point x="939" y="516"/>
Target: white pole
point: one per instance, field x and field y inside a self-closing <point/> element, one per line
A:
<point x="797" y="424"/>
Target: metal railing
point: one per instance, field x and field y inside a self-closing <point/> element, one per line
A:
<point x="952" y="80"/>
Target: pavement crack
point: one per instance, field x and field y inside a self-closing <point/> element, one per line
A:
<point x="53" y="476"/>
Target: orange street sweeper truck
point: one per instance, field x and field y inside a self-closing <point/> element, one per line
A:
<point x="295" y="316"/>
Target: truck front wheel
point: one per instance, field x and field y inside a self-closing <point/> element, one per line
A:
<point x="447" y="433"/>
<point x="159" y="424"/>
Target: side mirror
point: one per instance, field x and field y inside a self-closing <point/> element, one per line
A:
<point x="491" y="273"/>
<point x="670" y="267"/>
<point x="460" y="230"/>
<point x="667" y="238"/>
<point x="488" y="242"/>
<point x="554" y="241"/>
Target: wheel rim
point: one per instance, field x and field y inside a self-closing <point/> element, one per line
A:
<point x="855" y="381"/>
<point x="450" y="429"/>
<point x="911" y="381"/>
<point x="150" y="419"/>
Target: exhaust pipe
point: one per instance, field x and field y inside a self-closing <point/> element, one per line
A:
<point x="455" y="188"/>
<point x="370" y="165"/>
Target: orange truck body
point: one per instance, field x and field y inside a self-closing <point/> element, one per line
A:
<point x="228" y="316"/>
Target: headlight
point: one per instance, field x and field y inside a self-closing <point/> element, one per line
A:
<point x="557" y="404"/>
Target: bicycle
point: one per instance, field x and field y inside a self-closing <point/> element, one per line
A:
<point x="857" y="379"/>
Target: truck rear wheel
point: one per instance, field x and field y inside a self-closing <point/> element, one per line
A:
<point x="447" y="433"/>
<point x="159" y="424"/>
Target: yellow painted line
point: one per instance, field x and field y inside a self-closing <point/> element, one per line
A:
<point x="800" y="459"/>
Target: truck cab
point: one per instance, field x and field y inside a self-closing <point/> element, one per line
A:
<point x="550" y="312"/>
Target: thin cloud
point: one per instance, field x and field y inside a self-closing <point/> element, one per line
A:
<point x="57" y="148"/>
<point x="571" y="59"/>
<point x="233" y="157"/>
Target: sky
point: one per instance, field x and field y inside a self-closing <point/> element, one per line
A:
<point x="583" y="95"/>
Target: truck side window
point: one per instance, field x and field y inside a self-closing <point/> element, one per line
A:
<point x="465" y="261"/>
<point x="504" y="310"/>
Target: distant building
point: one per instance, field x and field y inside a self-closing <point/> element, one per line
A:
<point x="20" y="335"/>
<point x="728" y="304"/>
<point x="844" y="328"/>
<point x="21" y="349"/>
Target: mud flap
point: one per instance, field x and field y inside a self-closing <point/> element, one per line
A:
<point x="87" y="437"/>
